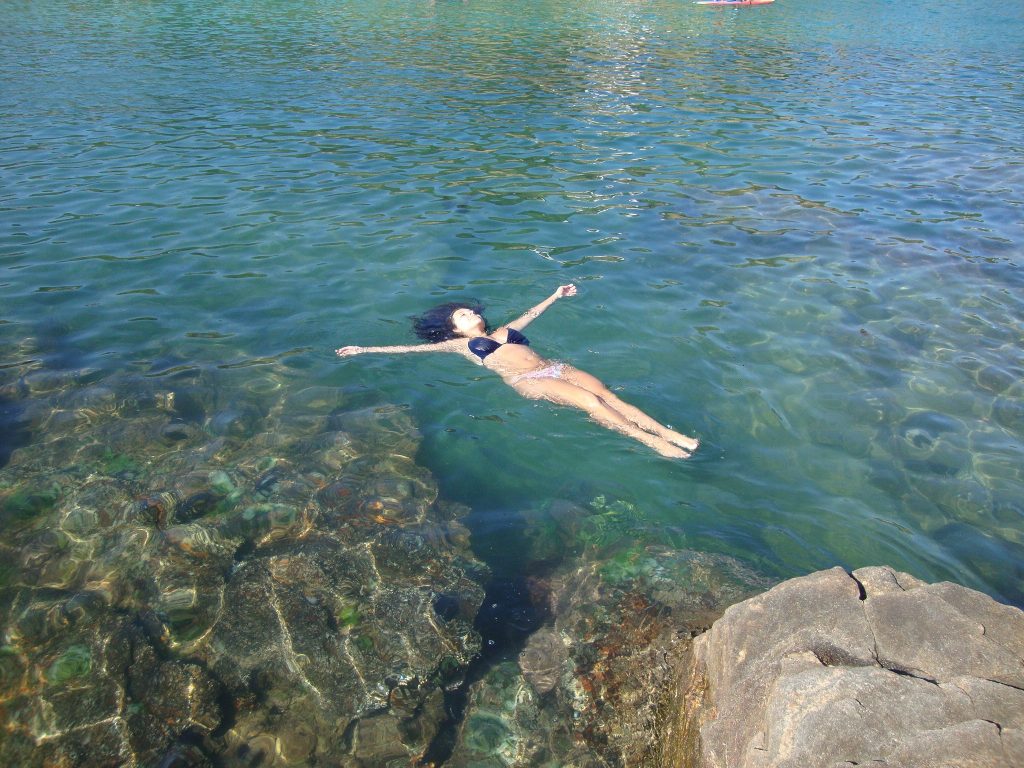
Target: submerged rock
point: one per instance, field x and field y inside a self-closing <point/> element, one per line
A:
<point x="234" y="589"/>
<point x="588" y="688"/>
<point x="506" y="726"/>
<point x="875" y="668"/>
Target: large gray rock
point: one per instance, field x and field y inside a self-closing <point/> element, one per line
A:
<point x="834" y="669"/>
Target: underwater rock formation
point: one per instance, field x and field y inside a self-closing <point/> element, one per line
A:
<point x="587" y="688"/>
<point x="834" y="669"/>
<point x="270" y="580"/>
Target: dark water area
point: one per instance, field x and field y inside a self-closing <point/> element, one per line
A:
<point x="796" y="232"/>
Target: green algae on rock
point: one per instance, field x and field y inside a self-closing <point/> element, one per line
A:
<point x="262" y="586"/>
<point x="75" y="662"/>
<point x="591" y="684"/>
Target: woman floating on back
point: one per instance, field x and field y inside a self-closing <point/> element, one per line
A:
<point x="460" y="328"/>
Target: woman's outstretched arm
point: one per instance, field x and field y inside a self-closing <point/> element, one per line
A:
<point x="534" y="312"/>
<point x="453" y="345"/>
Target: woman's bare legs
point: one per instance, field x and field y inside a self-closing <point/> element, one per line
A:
<point x="593" y="384"/>
<point x="566" y="393"/>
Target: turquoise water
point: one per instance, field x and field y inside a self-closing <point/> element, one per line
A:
<point x="796" y="231"/>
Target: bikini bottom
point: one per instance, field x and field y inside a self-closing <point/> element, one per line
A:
<point x="553" y="371"/>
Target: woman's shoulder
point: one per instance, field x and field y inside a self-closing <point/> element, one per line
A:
<point x="457" y="344"/>
<point x="461" y="345"/>
<point x="503" y="334"/>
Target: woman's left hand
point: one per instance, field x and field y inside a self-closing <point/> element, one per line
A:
<point x="565" y="290"/>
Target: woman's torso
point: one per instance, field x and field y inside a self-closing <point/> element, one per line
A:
<point x="509" y="359"/>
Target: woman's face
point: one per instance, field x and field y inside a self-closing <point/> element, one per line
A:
<point x="466" y="322"/>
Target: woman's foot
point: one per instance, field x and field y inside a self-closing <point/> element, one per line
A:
<point x="659" y="444"/>
<point x="675" y="452"/>
<point x="689" y="444"/>
<point x="671" y="451"/>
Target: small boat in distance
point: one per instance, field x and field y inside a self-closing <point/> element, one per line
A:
<point x="734" y="2"/>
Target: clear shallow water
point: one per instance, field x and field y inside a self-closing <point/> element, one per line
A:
<point x="796" y="232"/>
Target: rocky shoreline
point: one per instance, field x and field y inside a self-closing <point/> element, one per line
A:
<point x="207" y="571"/>
<point x="870" y="668"/>
<point x="190" y="579"/>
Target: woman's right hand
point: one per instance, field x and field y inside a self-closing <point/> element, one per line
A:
<point x="348" y="351"/>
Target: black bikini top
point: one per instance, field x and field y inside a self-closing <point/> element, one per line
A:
<point x="482" y="346"/>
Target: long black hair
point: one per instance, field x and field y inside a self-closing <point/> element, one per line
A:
<point x="435" y="324"/>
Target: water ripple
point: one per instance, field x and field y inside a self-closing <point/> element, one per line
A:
<point x="797" y="235"/>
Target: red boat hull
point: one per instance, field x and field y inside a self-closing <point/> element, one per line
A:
<point x="734" y="2"/>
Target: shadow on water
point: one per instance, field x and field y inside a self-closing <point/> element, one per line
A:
<point x="14" y="431"/>
<point x="53" y="350"/>
<point x="1001" y="562"/>
<point x="508" y="616"/>
<point x="56" y="347"/>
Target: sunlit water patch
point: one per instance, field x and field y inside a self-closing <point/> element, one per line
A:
<point x="796" y="233"/>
